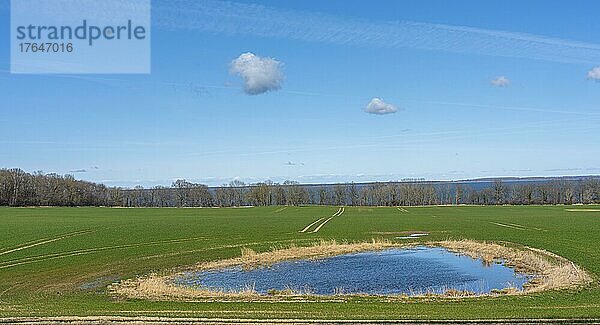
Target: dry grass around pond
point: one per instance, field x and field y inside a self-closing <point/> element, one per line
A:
<point x="161" y="287"/>
<point x="550" y="271"/>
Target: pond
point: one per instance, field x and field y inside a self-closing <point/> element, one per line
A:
<point x="409" y="271"/>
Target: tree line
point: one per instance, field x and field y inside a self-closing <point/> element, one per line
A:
<point x="18" y="188"/>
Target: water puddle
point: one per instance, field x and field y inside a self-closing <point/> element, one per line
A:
<point x="416" y="235"/>
<point x="410" y="271"/>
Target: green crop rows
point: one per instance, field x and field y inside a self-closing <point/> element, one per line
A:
<point x="59" y="261"/>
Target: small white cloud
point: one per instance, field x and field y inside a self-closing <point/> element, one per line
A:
<point x="500" y="81"/>
<point x="379" y="107"/>
<point x="594" y="74"/>
<point x="260" y="74"/>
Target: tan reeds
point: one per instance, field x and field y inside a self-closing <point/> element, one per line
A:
<point x="549" y="271"/>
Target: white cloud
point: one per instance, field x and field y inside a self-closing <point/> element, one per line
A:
<point x="379" y="107"/>
<point x="594" y="74"/>
<point x="500" y="81"/>
<point x="260" y="74"/>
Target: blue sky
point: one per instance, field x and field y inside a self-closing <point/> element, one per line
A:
<point x="433" y="61"/>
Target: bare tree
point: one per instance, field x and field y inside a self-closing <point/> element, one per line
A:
<point x="499" y="191"/>
<point x="458" y="194"/>
<point x="339" y="192"/>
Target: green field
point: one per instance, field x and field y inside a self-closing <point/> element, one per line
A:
<point x="58" y="261"/>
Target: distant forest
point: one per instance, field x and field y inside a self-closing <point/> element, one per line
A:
<point x="19" y="188"/>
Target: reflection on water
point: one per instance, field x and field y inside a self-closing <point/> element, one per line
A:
<point x="393" y="271"/>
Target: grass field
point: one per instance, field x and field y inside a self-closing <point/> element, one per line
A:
<point x="58" y="261"/>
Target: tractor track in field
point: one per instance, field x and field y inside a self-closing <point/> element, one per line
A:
<point x="338" y="213"/>
<point x="95" y="250"/>
<point x="44" y="241"/>
<point x="222" y="247"/>
<point x="312" y="224"/>
<point x="515" y="226"/>
<point x="507" y="226"/>
<point x="280" y="209"/>
<point x="42" y="258"/>
<point x="321" y="225"/>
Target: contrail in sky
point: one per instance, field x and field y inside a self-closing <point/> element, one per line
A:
<point x="231" y="18"/>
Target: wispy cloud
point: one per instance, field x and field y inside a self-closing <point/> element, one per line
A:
<point x="260" y="74"/>
<point x="500" y="81"/>
<point x="78" y="171"/>
<point x="559" y="110"/>
<point x="379" y="107"/>
<point x="232" y="18"/>
<point x="594" y="74"/>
